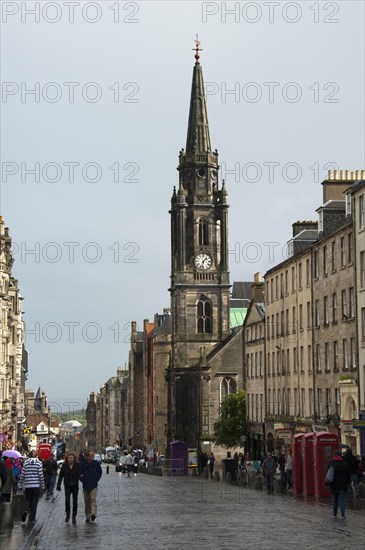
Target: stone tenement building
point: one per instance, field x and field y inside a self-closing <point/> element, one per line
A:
<point x="131" y="408"/>
<point x="313" y="337"/>
<point x="355" y="202"/>
<point x="13" y="357"/>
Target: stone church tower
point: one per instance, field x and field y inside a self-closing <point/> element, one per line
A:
<point x="200" y="287"/>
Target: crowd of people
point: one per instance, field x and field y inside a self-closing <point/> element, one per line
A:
<point x="35" y="477"/>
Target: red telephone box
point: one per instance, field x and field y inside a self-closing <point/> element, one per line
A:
<point x="324" y="445"/>
<point x="297" y="442"/>
<point x="308" y="464"/>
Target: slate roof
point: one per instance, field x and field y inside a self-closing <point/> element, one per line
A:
<point x="242" y="290"/>
<point x="165" y="327"/>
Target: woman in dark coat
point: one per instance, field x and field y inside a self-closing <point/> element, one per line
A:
<point x="340" y="481"/>
<point x="69" y="473"/>
<point x="8" y="485"/>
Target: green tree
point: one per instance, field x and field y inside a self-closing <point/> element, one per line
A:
<point x="231" y="425"/>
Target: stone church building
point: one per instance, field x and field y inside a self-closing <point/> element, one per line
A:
<point x="206" y="356"/>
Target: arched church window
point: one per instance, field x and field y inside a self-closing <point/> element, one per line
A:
<point x="204" y="316"/>
<point x="227" y="386"/>
<point x="203" y="232"/>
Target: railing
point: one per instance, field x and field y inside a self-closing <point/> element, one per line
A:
<point x="173" y="467"/>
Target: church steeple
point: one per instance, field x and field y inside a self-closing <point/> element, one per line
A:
<point x="198" y="138"/>
<point x="200" y="287"/>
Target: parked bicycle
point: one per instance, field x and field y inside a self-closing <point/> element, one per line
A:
<point x="242" y="475"/>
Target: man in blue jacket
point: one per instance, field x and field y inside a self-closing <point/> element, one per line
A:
<point x="89" y="474"/>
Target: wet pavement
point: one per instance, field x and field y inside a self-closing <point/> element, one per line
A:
<point x="165" y="512"/>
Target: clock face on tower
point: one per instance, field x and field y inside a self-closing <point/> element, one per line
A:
<point x="203" y="261"/>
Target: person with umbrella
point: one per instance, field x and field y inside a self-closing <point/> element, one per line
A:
<point x="8" y="485"/>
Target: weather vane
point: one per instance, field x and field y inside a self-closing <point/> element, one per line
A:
<point x="197" y="49"/>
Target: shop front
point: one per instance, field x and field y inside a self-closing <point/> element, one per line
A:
<point x="255" y="440"/>
<point x="279" y="434"/>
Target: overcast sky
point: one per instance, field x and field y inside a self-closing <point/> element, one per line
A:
<point x="103" y="129"/>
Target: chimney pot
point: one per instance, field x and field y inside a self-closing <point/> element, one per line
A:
<point x="342" y="174"/>
<point x="335" y="174"/>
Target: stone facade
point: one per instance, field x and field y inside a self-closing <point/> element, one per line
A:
<point x="158" y="361"/>
<point x="355" y="201"/>
<point x="13" y="356"/>
<point x="311" y="345"/>
<point x="130" y="410"/>
<point x="90" y="429"/>
<point x="288" y="346"/>
<point x="136" y="387"/>
<point x="254" y="369"/>
<point x="334" y="319"/>
<point x="106" y="413"/>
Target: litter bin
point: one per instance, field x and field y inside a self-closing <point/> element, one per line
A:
<point x="229" y="465"/>
<point x="6" y="516"/>
<point x="18" y="505"/>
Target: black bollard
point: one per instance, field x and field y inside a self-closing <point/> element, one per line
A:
<point x="107" y="469"/>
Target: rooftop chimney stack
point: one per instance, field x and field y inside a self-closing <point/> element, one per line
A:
<point x="337" y="182"/>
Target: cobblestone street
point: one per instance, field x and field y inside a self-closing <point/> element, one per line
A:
<point x="154" y="512"/>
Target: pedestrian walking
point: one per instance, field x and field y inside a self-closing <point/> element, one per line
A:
<point x="90" y="473"/>
<point x="269" y="469"/>
<point x="135" y="464"/>
<point x="354" y="467"/>
<point x="3" y="473"/>
<point x="17" y="469"/>
<point x="211" y="464"/>
<point x="129" y="462"/>
<point x="203" y="460"/>
<point x="289" y="469"/>
<point x="338" y="486"/>
<point x="282" y="462"/>
<point x="50" y="473"/>
<point x="69" y="475"/>
<point x="32" y="480"/>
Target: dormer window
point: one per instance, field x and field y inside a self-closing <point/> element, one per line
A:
<point x="348" y="204"/>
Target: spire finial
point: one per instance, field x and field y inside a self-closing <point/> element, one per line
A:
<point x="197" y="49"/>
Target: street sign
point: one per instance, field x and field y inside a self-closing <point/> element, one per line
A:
<point x="359" y="424"/>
